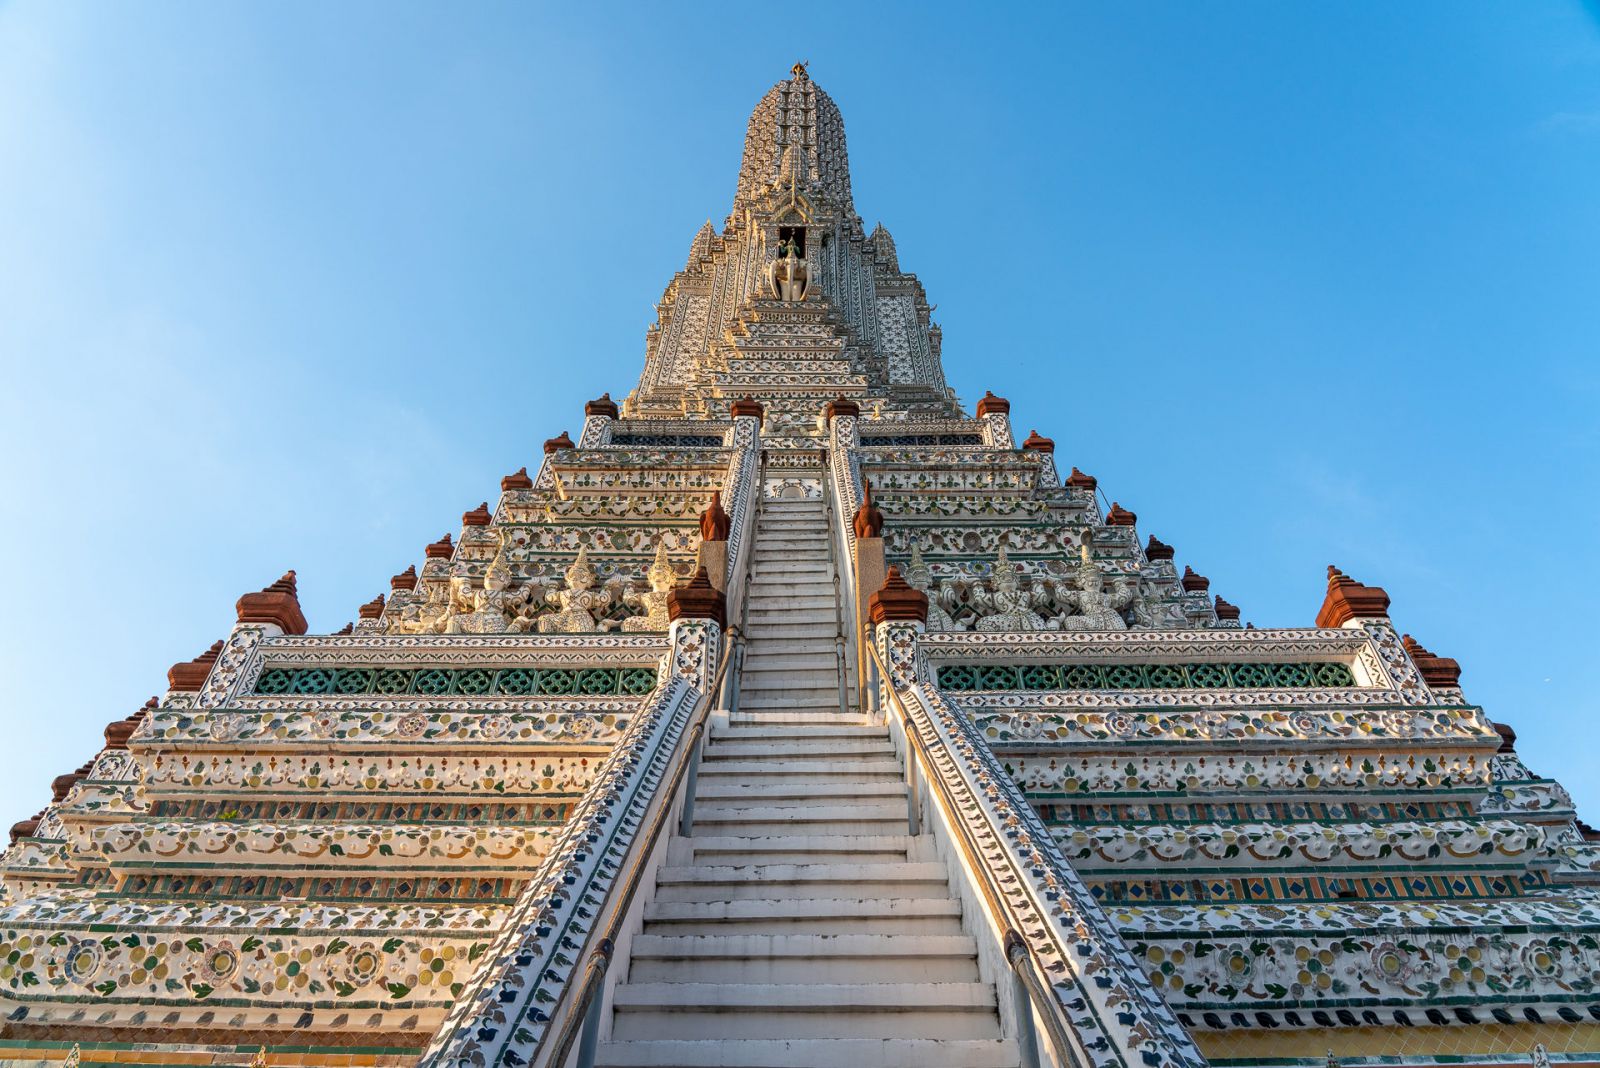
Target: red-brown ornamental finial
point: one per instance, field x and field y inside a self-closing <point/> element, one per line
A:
<point x="1120" y="516"/>
<point x="61" y="784"/>
<point x="278" y="604"/>
<point x="1348" y="599"/>
<point x="897" y="601"/>
<point x="1038" y="443"/>
<point x="1508" y="737"/>
<point x="840" y="405"/>
<point x="747" y="406"/>
<point x="478" y="517"/>
<point x="602" y="405"/>
<point x="372" y="609"/>
<point x="118" y="731"/>
<point x="439" y="550"/>
<point x="517" y="480"/>
<point x="1079" y="480"/>
<point x="1226" y="610"/>
<point x="698" y="599"/>
<point x="990" y="403"/>
<point x="1193" y="581"/>
<point x="868" y="521"/>
<point x="1436" y="671"/>
<point x="348" y="628"/>
<point x="1156" y="549"/>
<point x="557" y="443"/>
<point x="188" y="676"/>
<point x="714" y="521"/>
<point x="406" y="580"/>
<point x="26" y="828"/>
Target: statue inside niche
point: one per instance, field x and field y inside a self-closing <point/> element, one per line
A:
<point x="493" y="609"/>
<point x="788" y="275"/>
<point x="662" y="578"/>
<point x="1096" y="609"/>
<point x="1008" y="601"/>
<point x="582" y="605"/>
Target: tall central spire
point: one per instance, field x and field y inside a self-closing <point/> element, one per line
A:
<point x="796" y="134"/>
<point x="792" y="302"/>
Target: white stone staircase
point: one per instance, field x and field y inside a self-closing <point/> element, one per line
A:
<point x="801" y="925"/>
<point x="791" y="663"/>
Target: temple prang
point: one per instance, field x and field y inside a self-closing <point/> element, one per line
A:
<point x="967" y="728"/>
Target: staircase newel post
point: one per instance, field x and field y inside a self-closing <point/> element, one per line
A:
<point x="698" y="614"/>
<point x="599" y="418"/>
<point x="1021" y="1004"/>
<point x="841" y="418"/>
<point x="899" y="614"/>
<point x="995" y="415"/>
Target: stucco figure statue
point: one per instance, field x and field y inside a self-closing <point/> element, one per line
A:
<point x="1096" y="609"/>
<point x="427" y="616"/>
<point x="662" y="578"/>
<point x="493" y="609"/>
<point x="940" y="601"/>
<point x="1008" y="603"/>
<point x="582" y="605"/>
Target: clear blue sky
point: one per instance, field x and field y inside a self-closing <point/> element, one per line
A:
<point x="293" y="285"/>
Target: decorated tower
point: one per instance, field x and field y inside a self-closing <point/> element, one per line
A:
<point x="796" y="714"/>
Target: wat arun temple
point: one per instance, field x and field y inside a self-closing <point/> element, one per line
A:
<point x="795" y="712"/>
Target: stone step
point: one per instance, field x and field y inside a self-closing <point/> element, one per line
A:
<point x="874" y="757"/>
<point x="775" y="628"/>
<point x="940" y="915"/>
<point x="826" y="700"/>
<point x="766" y="664"/>
<point x="841" y="1010"/>
<point x="770" y="537"/>
<point x="792" y="848"/>
<point x="809" y="1053"/>
<point x="763" y="770"/>
<point x="857" y="819"/>
<point x="742" y="732"/>
<point x="795" y="520"/>
<point x="770" y="605"/>
<point x="708" y="882"/>
<point x="827" y="809"/>
<point x="800" y="750"/>
<point x="778" y="627"/>
<point x="759" y="742"/>
<point x="818" y="686"/>
<point x="765" y="585"/>
<point x="788" y="794"/>
<point x="811" y="958"/>
<point x="834" y="718"/>
<point x="784" y="595"/>
<point x="789" y="566"/>
<point x="822" y="658"/>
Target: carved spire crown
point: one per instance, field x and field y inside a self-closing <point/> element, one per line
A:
<point x="797" y="132"/>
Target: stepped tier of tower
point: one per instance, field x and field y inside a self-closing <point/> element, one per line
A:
<point x="790" y="715"/>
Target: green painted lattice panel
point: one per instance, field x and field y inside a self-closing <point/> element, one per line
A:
<point x="966" y="678"/>
<point x="469" y="682"/>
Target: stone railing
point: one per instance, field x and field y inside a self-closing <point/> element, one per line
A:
<point x="1102" y="1006"/>
<point x="504" y="1014"/>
